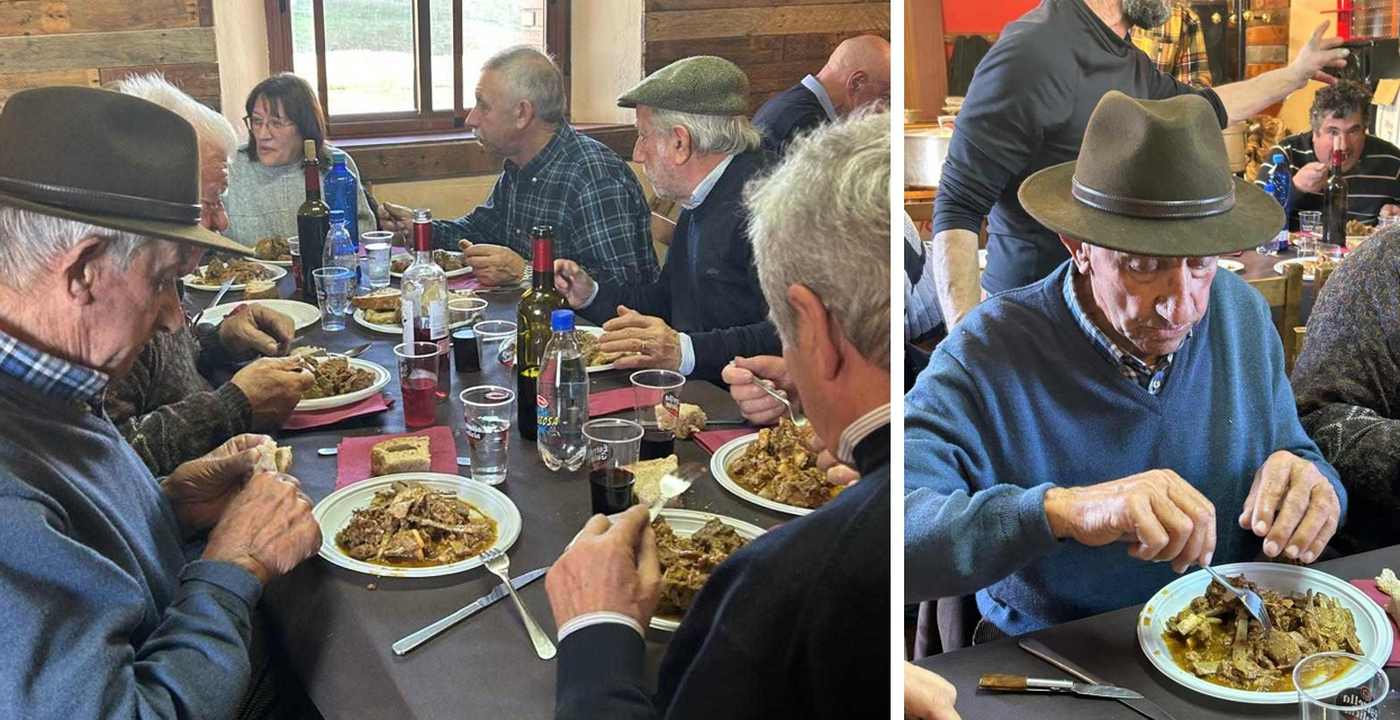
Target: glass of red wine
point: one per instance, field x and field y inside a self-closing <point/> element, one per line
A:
<point x="657" y="397"/>
<point x="613" y="445"/>
<point x="418" y="376"/>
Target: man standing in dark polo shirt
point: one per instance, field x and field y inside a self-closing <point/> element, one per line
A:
<point x="857" y="74"/>
<point x="1026" y="110"/>
<point x="1370" y="165"/>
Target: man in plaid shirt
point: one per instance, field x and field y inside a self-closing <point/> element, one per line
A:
<point x="1178" y="47"/>
<point x="552" y="176"/>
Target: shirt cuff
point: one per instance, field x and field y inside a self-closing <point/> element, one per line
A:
<point x="687" y="355"/>
<point x="591" y="296"/>
<point x="598" y="618"/>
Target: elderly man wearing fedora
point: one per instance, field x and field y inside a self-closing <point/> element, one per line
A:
<point x="1131" y="407"/>
<point x="105" y="615"/>
<point x="796" y="623"/>
<point x="697" y="146"/>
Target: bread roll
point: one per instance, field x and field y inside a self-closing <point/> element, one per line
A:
<point x="405" y="454"/>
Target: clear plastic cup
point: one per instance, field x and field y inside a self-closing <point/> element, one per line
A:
<point x="377" y="264"/>
<point x="1309" y="231"/>
<point x="495" y="345"/>
<point x="418" y="380"/>
<point x="613" y="444"/>
<point x="488" y="411"/>
<point x="657" y="395"/>
<point x="333" y="287"/>
<point x="1342" y="686"/>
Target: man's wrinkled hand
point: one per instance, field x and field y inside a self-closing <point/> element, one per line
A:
<point x="267" y="528"/>
<point x="1311" y="177"/>
<point x="273" y="387"/>
<point x="397" y="219"/>
<point x="200" y="489"/>
<point x="493" y="265"/>
<point x="573" y="282"/>
<point x="1317" y="56"/>
<point x="1292" y="506"/>
<point x="757" y="406"/>
<point x="1162" y="515"/>
<point x="651" y="341"/>
<point x="927" y="696"/>
<point x="611" y="567"/>
<point x="254" y="329"/>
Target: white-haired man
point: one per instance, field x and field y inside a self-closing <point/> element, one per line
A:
<point x="104" y="614"/>
<point x="795" y="624"/>
<point x="553" y="176"/>
<point x="856" y="75"/>
<point x="697" y="146"/>
<point x="164" y="406"/>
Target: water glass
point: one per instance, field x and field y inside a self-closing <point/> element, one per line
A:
<point x="1321" y="697"/>
<point x="495" y="344"/>
<point x="613" y="444"/>
<point x="418" y="376"/>
<point x="465" y="311"/>
<point x="333" y="286"/>
<point x="1309" y="231"/>
<point x="657" y="395"/>
<point x="488" y="411"/>
<point x="377" y="263"/>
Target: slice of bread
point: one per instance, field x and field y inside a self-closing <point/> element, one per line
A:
<point x="647" y="475"/>
<point x="386" y="298"/>
<point x="690" y="420"/>
<point x="284" y="459"/>
<point x="404" y="454"/>
<point x="383" y="317"/>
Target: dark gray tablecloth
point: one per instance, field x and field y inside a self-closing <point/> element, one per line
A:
<point x="1107" y="646"/>
<point x="337" y="631"/>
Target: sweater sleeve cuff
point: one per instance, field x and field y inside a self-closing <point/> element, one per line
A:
<point x="227" y="576"/>
<point x="623" y="648"/>
<point x="235" y="406"/>
<point x="1029" y="517"/>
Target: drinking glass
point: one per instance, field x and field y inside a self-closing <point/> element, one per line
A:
<point x="1309" y="231"/>
<point x="656" y="394"/>
<point x="377" y="263"/>
<point x="418" y="376"/>
<point x="495" y="343"/>
<point x="488" y="411"/>
<point x="1321" y="697"/>
<point x="613" y="444"/>
<point x="333" y="286"/>
<point x="465" y="311"/>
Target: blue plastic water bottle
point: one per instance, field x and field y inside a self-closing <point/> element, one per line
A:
<point x="1280" y="186"/>
<point x="343" y="193"/>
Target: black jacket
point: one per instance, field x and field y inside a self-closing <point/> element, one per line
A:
<point x="795" y="624"/>
<point x="717" y="300"/>
<point x="786" y="114"/>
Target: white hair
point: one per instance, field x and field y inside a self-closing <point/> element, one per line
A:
<point x="821" y="219"/>
<point x="532" y="76"/>
<point x="710" y="134"/>
<point x="31" y="241"/>
<point x="209" y="127"/>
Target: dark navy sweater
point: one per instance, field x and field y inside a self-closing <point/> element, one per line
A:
<point x="786" y="114"/>
<point x="1018" y="400"/>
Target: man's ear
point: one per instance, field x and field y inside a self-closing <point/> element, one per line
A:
<point x="82" y="267"/>
<point x="1078" y="252"/>
<point x="524" y="114"/>
<point x="854" y="82"/>
<point x="817" y="335"/>
<point x="681" y="145"/>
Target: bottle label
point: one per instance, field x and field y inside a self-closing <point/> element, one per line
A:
<point x="407" y="312"/>
<point x="598" y="456"/>
<point x="437" y="319"/>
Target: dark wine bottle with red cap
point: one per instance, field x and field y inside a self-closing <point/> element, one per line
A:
<point x="533" y="326"/>
<point x="313" y="221"/>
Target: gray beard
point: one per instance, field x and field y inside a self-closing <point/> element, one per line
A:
<point x="1146" y="14"/>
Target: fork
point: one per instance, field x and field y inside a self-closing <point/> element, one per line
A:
<point x="1251" y="600"/>
<point x="780" y="396"/>
<point x="671" y="486"/>
<point x="496" y="561"/>
<point x="223" y="290"/>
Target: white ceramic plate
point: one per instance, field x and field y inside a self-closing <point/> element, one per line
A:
<point x="719" y="467"/>
<point x="303" y="315"/>
<point x="381" y="378"/>
<point x="1280" y="265"/>
<point x="1234" y="266"/>
<point x="278" y="263"/>
<point x="337" y="508"/>
<point x="276" y="273"/>
<point x="450" y="273"/>
<point x="595" y="332"/>
<point x="1372" y="627"/>
<point x="395" y="329"/>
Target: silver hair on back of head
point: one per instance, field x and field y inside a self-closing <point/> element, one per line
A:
<point x="710" y="134"/>
<point x="30" y="241"/>
<point x="209" y="126"/>
<point x="821" y="219"/>
<point x="531" y="75"/>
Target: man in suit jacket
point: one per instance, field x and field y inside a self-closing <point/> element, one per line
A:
<point x="697" y="146"/>
<point x="796" y="623"/>
<point x="857" y="74"/>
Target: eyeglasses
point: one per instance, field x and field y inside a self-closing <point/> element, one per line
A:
<point x="256" y="123"/>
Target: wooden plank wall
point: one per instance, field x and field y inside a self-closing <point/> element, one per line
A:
<point x="94" y="42"/>
<point x="776" y="42"/>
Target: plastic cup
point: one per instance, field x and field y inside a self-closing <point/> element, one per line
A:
<point x="377" y="264"/>
<point x="656" y="394"/>
<point x="1342" y="686"/>
<point x="418" y="376"/>
<point x="488" y="411"/>
<point x="1309" y="231"/>
<point x="495" y="343"/>
<point x="613" y="444"/>
<point x="333" y="286"/>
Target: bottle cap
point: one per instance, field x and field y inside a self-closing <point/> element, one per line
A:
<point x="337" y="216"/>
<point x="338" y="156"/>
<point x="562" y="320"/>
<point x="1278" y="157"/>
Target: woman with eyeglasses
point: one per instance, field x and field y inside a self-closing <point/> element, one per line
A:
<point x="265" y="185"/>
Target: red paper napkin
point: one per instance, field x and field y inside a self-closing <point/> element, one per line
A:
<point x="711" y="440"/>
<point x="378" y="402"/>
<point x="1369" y="587"/>
<point x="607" y="402"/>
<point x="464" y="282"/>
<point x="353" y="458"/>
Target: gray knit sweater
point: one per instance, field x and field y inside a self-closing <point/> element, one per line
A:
<point x="263" y="200"/>
<point x="1347" y="382"/>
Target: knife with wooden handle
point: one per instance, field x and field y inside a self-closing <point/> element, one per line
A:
<point x="1143" y="707"/>
<point x="1021" y="683"/>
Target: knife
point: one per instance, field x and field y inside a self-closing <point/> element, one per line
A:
<point x="1021" y="683"/>
<point x="404" y="646"/>
<point x="1143" y="707"/>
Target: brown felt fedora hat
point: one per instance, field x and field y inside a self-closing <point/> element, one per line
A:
<point x="1152" y="178"/>
<point x="106" y="159"/>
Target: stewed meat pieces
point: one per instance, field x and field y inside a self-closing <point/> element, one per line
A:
<point x="686" y="563"/>
<point x="781" y="466"/>
<point x="412" y="524"/>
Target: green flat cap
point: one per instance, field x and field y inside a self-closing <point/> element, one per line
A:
<point x="702" y="85"/>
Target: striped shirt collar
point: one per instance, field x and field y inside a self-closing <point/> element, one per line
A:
<point x="1152" y="379"/>
<point x="49" y="374"/>
<point x="702" y="191"/>
<point x="858" y="430"/>
<point x="815" y="85"/>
